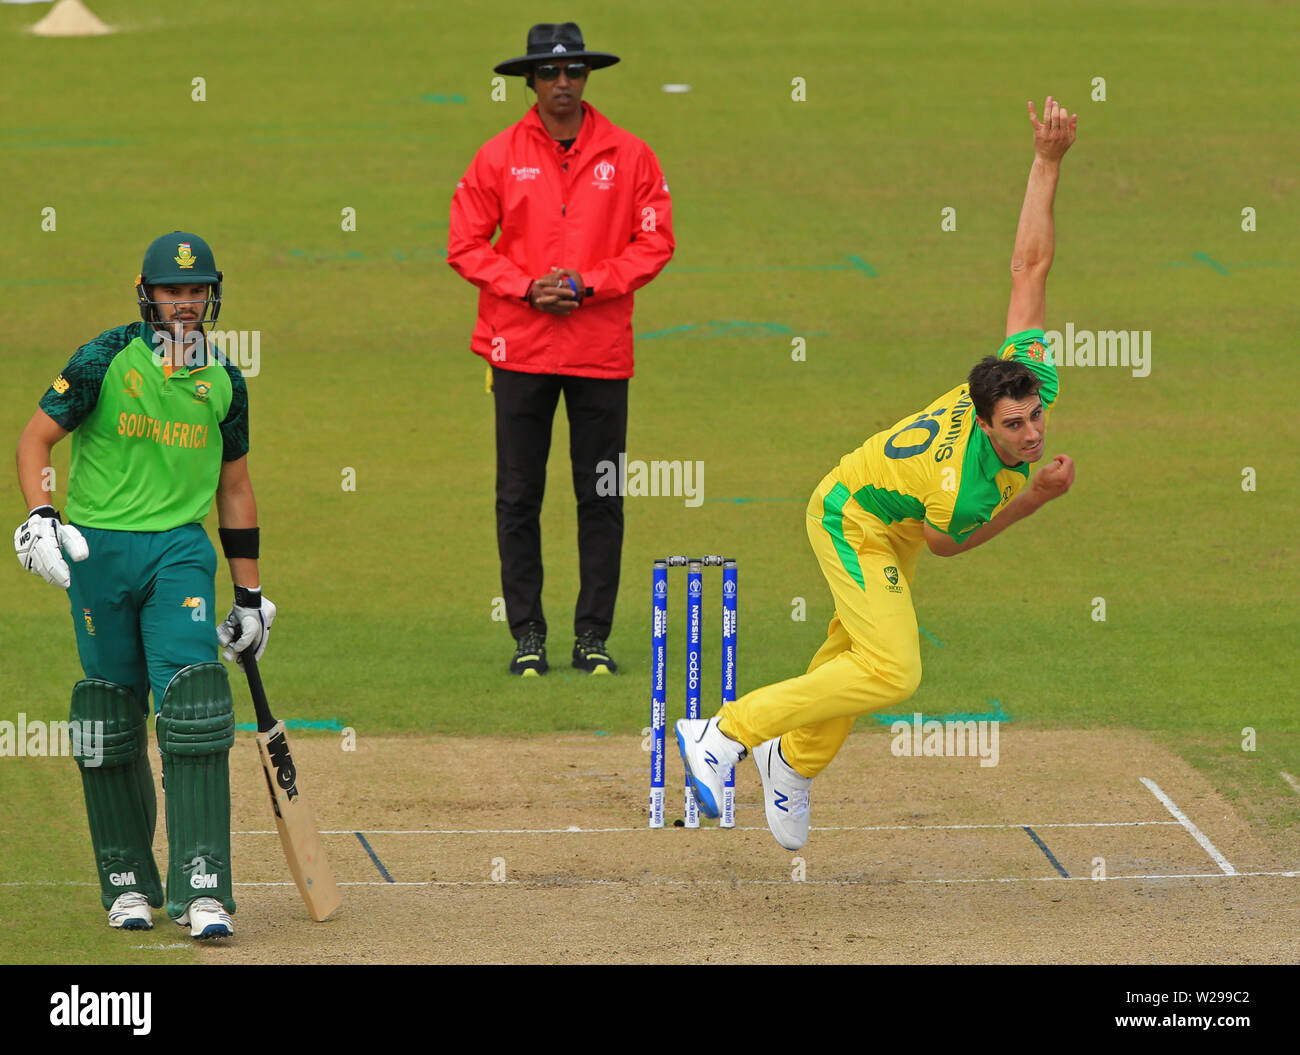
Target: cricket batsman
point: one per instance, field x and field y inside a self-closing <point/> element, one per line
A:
<point x="159" y="425"/>
<point x="948" y="478"/>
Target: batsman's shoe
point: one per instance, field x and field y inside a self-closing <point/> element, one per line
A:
<point x="591" y="655"/>
<point x="207" y="918"/>
<point x="785" y="796"/>
<point x="708" y="755"/>
<point x="530" y="654"/>
<point x="131" y="911"/>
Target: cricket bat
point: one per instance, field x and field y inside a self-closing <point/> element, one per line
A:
<point x="293" y="816"/>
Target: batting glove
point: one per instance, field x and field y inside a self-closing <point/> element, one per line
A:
<point x="37" y="543"/>
<point x="247" y="626"/>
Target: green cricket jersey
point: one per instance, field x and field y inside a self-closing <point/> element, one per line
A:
<point x="148" y="440"/>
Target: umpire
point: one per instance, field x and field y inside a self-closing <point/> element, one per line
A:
<point x="585" y="220"/>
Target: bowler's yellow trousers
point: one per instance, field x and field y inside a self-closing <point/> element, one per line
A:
<point x="871" y="657"/>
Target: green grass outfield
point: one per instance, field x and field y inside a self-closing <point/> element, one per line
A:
<point x="818" y="219"/>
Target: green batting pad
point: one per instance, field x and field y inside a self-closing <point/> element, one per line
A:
<point x="196" y="729"/>
<point x="110" y="744"/>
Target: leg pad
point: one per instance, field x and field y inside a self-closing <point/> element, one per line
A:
<point x="111" y="749"/>
<point x="196" y="729"/>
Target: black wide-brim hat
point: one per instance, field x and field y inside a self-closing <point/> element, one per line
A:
<point x="556" y="42"/>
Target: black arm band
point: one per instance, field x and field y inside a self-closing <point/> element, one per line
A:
<point x="239" y="542"/>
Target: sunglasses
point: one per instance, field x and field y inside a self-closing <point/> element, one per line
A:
<point x="575" y="71"/>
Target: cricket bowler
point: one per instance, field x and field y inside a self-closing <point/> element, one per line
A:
<point x="948" y="478"/>
<point x="159" y="425"/>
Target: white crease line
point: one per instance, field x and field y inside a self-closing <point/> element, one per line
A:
<point x="1295" y="784"/>
<point x="545" y="883"/>
<point x="574" y="830"/>
<point x="542" y="883"/>
<point x="1110" y="879"/>
<point x="1186" y="822"/>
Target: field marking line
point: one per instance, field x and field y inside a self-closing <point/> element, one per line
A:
<point x="741" y="882"/>
<point x="1295" y="784"/>
<point x="1051" y="858"/>
<point x="574" y="830"/>
<point x="791" y="882"/>
<point x="1186" y="822"/>
<point x="1111" y="879"/>
<point x="374" y="857"/>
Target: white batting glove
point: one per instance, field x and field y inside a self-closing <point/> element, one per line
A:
<point x="37" y="543"/>
<point x="247" y="626"/>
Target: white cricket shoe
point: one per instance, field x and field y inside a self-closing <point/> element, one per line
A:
<point x="207" y="918"/>
<point x="785" y="796"/>
<point x="709" y="755"/>
<point x="131" y="911"/>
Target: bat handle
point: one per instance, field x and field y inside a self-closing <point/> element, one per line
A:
<point x="265" y="720"/>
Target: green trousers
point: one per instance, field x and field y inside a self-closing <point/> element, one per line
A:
<point x="144" y="605"/>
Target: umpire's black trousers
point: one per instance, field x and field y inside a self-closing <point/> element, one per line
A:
<point x="525" y="410"/>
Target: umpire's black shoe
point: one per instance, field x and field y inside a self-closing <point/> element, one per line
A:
<point x="530" y="653"/>
<point x="590" y="654"/>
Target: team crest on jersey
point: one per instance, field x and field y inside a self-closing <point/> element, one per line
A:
<point x="604" y="173"/>
<point x="201" y="391"/>
<point x="134" y="382"/>
<point x="60" y="384"/>
<point x="184" y="255"/>
<point x="891" y="575"/>
<point x="1035" y="352"/>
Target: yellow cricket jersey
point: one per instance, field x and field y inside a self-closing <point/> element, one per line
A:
<point x="935" y="467"/>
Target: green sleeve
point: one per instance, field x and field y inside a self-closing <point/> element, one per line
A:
<point x="73" y="394"/>
<point x="234" y="426"/>
<point x="1031" y="348"/>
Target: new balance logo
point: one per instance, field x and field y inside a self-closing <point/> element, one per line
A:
<point x="711" y="760"/>
<point x="780" y="800"/>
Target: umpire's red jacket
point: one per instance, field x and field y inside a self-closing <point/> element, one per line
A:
<point x="601" y="208"/>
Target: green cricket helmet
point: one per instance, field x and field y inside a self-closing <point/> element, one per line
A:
<point x="179" y="258"/>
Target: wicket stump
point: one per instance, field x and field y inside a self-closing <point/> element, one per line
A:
<point x="694" y="665"/>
